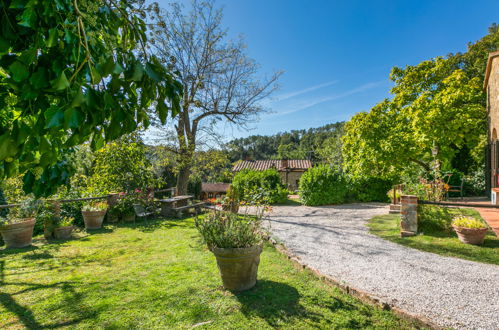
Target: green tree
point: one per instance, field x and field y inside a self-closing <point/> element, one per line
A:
<point x="436" y="116"/>
<point x="71" y="72"/>
<point x="121" y="165"/>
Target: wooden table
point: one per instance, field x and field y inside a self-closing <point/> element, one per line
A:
<point x="168" y="204"/>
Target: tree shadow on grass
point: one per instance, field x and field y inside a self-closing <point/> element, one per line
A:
<point x="278" y="302"/>
<point x="26" y="317"/>
<point x="159" y="223"/>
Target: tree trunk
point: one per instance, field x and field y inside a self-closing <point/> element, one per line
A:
<point x="183" y="179"/>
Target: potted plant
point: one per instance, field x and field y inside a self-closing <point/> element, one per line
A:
<point x="93" y="214"/>
<point x="236" y="242"/>
<point x="17" y="228"/>
<point x="469" y="230"/>
<point x="64" y="228"/>
<point x="113" y="214"/>
<point x="124" y="207"/>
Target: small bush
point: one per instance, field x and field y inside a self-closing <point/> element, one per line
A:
<point x="468" y="222"/>
<point x="434" y="219"/>
<point x="229" y="230"/>
<point x="323" y="185"/>
<point x="263" y="186"/>
<point x="369" y="189"/>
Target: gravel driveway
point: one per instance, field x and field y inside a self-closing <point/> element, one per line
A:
<point x="448" y="291"/>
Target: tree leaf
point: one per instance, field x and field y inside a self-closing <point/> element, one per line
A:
<point x="60" y="83"/>
<point x="72" y="118"/>
<point x="54" y="117"/>
<point x="39" y="78"/>
<point x="52" y="39"/>
<point x="19" y="71"/>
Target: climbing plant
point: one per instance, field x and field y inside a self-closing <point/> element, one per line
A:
<point x="73" y="71"/>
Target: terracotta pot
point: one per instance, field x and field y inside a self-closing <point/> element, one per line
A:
<point x="129" y="218"/>
<point x="63" y="232"/>
<point x="93" y="219"/>
<point x="112" y="218"/>
<point x="18" y="235"/>
<point x="238" y="266"/>
<point x="474" y="236"/>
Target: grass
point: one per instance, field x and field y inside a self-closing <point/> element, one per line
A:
<point x="161" y="276"/>
<point x="443" y="243"/>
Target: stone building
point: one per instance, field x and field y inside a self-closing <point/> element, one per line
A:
<point x="290" y="169"/>
<point x="213" y="190"/>
<point x="491" y="86"/>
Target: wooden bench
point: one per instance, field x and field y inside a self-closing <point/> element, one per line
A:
<point x="179" y="210"/>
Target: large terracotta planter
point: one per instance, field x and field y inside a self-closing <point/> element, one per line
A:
<point x="238" y="267"/>
<point x="18" y="235"/>
<point x="93" y="219"/>
<point x="474" y="236"/>
<point x="63" y="232"/>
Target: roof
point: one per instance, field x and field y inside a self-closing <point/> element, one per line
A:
<point x="214" y="187"/>
<point x="278" y="164"/>
<point x="489" y="68"/>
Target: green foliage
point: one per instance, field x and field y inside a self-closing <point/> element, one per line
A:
<point x="260" y="186"/>
<point x="65" y="221"/>
<point x="212" y="166"/>
<point x="468" y="222"/>
<point x="323" y="185"/>
<point x="121" y="165"/>
<point x="124" y="205"/>
<point x="3" y="201"/>
<point x="73" y="72"/>
<point x="434" y="219"/>
<point x="229" y="230"/>
<point x="368" y="189"/>
<point x="320" y="144"/>
<point x="94" y="206"/>
<point x="194" y="186"/>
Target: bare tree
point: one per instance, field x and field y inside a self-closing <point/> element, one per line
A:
<point x="220" y="81"/>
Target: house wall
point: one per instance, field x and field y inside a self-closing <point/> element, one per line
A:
<point x="493" y="99"/>
<point x="493" y="110"/>
<point x="292" y="179"/>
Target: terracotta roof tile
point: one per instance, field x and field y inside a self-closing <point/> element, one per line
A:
<point x="278" y="164"/>
<point x="215" y="187"/>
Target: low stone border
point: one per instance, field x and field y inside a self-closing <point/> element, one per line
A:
<point x="420" y="321"/>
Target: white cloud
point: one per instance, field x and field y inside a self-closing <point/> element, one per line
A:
<point x="312" y="102"/>
<point x="305" y="90"/>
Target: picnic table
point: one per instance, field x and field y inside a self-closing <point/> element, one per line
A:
<point x="168" y="204"/>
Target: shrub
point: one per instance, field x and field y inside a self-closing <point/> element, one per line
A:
<point x="434" y="219"/>
<point x="323" y="185"/>
<point x="369" y="189"/>
<point x="260" y="186"/>
<point x="229" y="230"/>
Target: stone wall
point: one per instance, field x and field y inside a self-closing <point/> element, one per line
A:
<point x="292" y="179"/>
<point x="493" y="98"/>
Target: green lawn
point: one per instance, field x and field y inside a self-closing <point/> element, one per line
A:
<point x="162" y="276"/>
<point x="447" y="244"/>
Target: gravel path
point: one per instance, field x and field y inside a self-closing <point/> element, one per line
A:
<point x="448" y="291"/>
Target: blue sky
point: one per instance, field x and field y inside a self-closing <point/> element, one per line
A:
<point x="337" y="55"/>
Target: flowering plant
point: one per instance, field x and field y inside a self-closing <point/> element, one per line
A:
<point x="94" y="207"/>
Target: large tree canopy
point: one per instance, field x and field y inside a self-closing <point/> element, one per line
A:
<point x="73" y="71"/>
<point x="221" y="83"/>
<point x="437" y="114"/>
